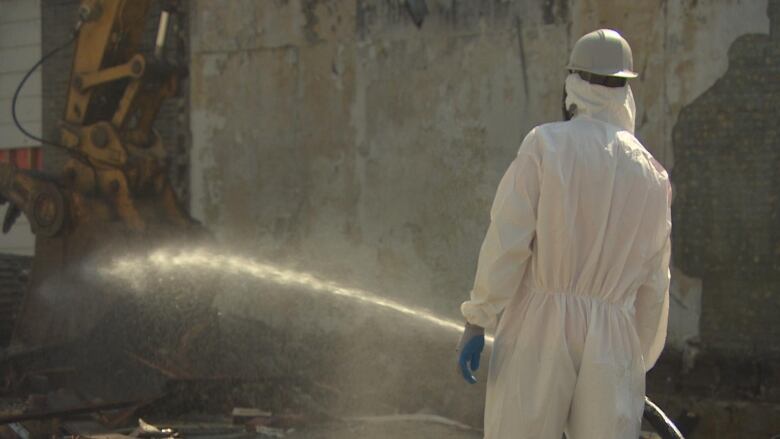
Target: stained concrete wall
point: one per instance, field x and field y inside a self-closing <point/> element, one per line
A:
<point x="338" y="136"/>
<point x="728" y="195"/>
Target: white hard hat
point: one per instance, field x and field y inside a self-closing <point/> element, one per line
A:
<point x="603" y="52"/>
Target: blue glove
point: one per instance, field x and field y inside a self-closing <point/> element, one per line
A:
<point x="470" y="348"/>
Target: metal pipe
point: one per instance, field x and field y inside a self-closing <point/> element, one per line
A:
<point x="162" y="31"/>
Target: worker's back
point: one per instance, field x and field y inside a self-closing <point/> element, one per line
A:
<point x="601" y="211"/>
<point x="578" y="247"/>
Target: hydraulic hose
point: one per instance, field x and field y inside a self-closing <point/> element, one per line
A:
<point x="660" y="422"/>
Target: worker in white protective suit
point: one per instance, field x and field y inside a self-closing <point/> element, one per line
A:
<point x="577" y="258"/>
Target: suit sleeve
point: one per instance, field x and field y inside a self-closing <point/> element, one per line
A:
<point x="506" y="250"/>
<point x="652" y="300"/>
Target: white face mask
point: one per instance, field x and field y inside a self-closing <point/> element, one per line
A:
<point x="615" y="106"/>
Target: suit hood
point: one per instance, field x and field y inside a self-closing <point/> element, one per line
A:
<point x="614" y="106"/>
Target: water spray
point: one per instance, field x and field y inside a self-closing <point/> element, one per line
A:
<point x="131" y="269"/>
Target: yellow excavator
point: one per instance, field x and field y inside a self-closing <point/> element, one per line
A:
<point x="113" y="193"/>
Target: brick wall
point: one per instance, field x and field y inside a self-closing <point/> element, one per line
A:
<point x="58" y="19"/>
<point x="727" y="206"/>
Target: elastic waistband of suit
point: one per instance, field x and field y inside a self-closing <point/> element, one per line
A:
<point x="625" y="305"/>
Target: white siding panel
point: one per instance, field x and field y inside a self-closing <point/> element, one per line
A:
<point x="11" y="137"/>
<point x="18" y="59"/>
<point x="20" y="33"/>
<point x="28" y="109"/>
<point x="19" y="10"/>
<point x="19" y="240"/>
<point x="9" y="82"/>
<point x="20" y="48"/>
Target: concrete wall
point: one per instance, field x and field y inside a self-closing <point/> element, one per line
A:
<point x="726" y="152"/>
<point x="339" y="136"/>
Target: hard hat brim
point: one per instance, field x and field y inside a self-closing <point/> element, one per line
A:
<point x="628" y="74"/>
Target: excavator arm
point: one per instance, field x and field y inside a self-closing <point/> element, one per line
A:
<point x="113" y="192"/>
<point x="114" y="96"/>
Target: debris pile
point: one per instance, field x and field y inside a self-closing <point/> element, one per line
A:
<point x="112" y="385"/>
<point x="94" y="388"/>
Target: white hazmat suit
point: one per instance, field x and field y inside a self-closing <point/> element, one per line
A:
<point x="577" y="257"/>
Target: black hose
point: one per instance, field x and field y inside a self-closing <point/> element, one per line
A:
<point x="77" y="154"/>
<point x="660" y="422"/>
<point x="19" y="89"/>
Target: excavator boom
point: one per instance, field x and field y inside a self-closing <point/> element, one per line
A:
<point x="113" y="194"/>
